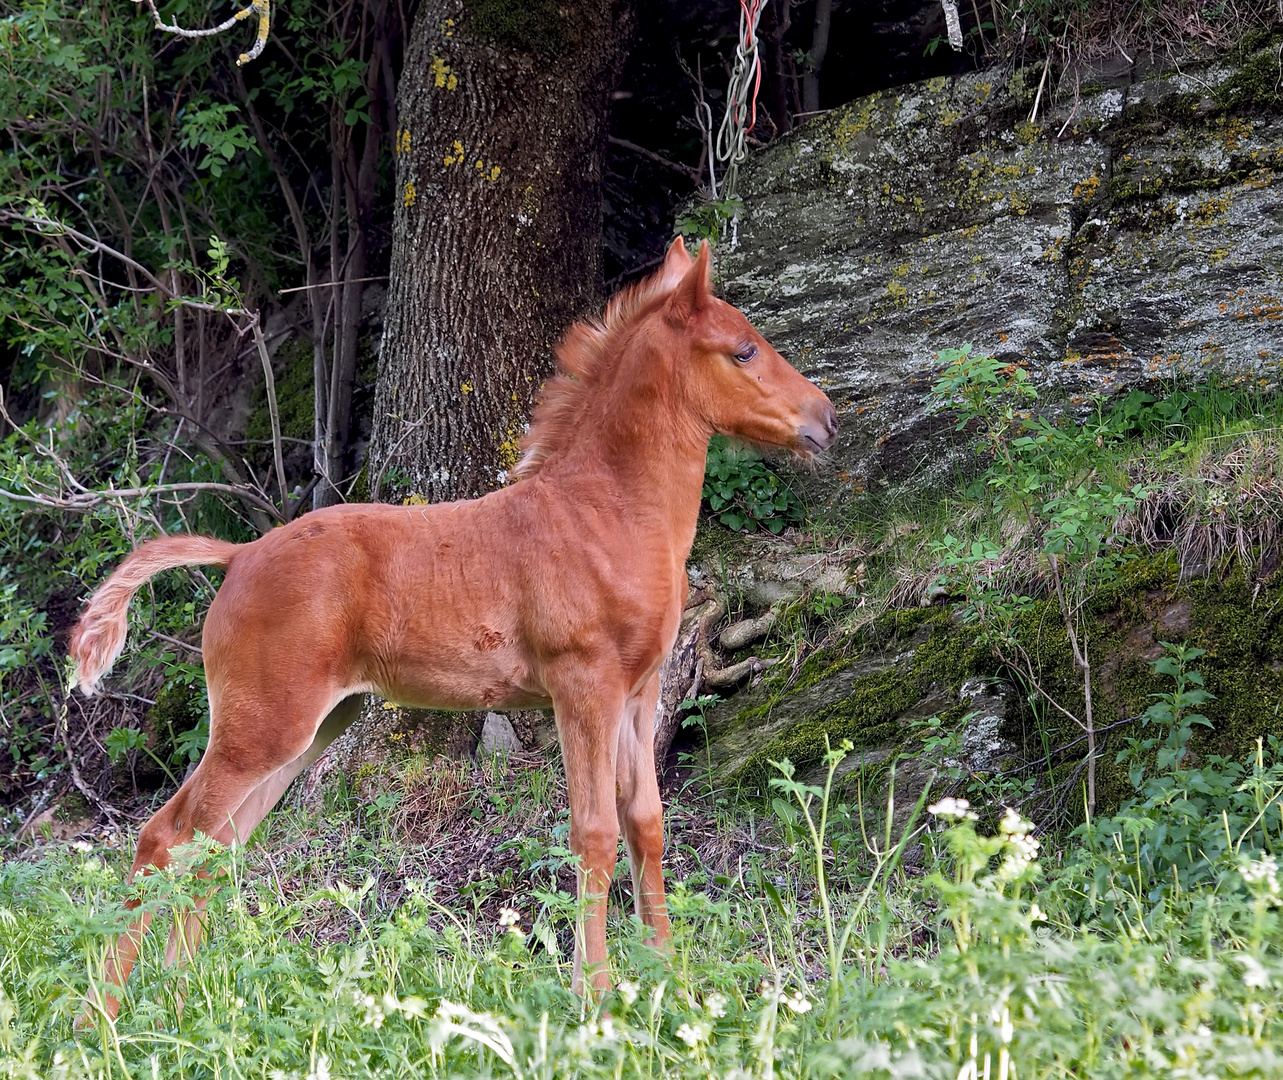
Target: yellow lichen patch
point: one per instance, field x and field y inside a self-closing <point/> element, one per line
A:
<point x="1210" y="210"/>
<point x="1231" y="130"/>
<point x="509" y="446"/>
<point x="442" y="76"/>
<point x="854" y="122"/>
<point x="414" y="499"/>
<point x="1086" y="189"/>
<point x="403" y="141"/>
<point x="410" y="193"/>
<point x="454" y="155"/>
<point x="1027" y="132"/>
<point x="465" y="388"/>
<point x="487" y="172"/>
<point x="447" y="27"/>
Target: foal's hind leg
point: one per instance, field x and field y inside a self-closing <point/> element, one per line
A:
<point x="189" y="928"/>
<point x="247" y="748"/>
<point x="640" y="812"/>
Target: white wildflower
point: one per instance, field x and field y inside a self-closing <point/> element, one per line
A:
<point x="1264" y="871"/>
<point x="797" y="1001"/>
<point x="510" y="920"/>
<point x="694" y="1034"/>
<point x="1254" y="973"/>
<point x="959" y="809"/>
<point x="1013" y="825"/>
<point x="82" y="847"/>
<point x="1036" y="913"/>
<point x="716" y="1005"/>
<point x="374" y="1015"/>
<point x="628" y="990"/>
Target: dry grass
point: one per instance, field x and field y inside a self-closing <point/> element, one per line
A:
<point x="1077" y="30"/>
<point x="1228" y="506"/>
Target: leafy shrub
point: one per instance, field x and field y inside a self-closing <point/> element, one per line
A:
<point x="743" y="493"/>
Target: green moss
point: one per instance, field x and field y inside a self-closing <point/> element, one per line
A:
<point x="715" y="544"/>
<point x="179" y="707"/>
<point x="1237" y="620"/>
<point x="870" y="712"/>
<point x="1124" y="626"/>
<point x="361" y="486"/>
<point x="73" y="807"/>
<point x="1255" y="85"/>
<point x="295" y="400"/>
<point x="537" y="26"/>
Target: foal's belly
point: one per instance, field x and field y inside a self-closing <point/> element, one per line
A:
<point x="494" y="680"/>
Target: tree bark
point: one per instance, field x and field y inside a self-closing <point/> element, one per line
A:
<point x="815" y="58"/>
<point x="496" y="242"/>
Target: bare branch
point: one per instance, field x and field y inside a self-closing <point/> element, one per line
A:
<point x="85" y="502"/>
<point x="260" y="8"/>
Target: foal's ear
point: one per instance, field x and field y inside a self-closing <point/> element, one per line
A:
<point x="695" y="286"/>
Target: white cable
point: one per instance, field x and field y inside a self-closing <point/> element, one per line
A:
<point x="732" y="137"/>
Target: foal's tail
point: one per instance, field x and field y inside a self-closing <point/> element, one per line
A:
<point x="99" y="636"/>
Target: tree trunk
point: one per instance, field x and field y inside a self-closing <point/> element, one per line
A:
<point x="776" y="19"/>
<point x="496" y="241"/>
<point x="815" y="58"/>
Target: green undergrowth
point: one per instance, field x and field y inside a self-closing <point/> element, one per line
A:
<point x="1149" y="945"/>
<point x="1193" y="551"/>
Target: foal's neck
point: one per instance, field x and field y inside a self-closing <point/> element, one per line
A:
<point x="648" y="448"/>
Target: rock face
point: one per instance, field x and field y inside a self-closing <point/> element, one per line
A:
<point x="1132" y="234"/>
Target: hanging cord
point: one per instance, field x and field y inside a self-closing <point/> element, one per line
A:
<point x="952" y="26"/>
<point x="260" y="8"/>
<point x="731" y="147"/>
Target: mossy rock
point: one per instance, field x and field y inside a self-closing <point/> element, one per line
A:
<point x="867" y="692"/>
<point x="914" y="664"/>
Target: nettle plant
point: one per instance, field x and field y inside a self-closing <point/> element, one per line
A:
<point x="743" y="493"/>
<point x="1056" y="480"/>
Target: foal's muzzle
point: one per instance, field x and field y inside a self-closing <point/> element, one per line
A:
<point x="819" y="428"/>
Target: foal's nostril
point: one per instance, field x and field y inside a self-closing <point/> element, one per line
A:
<point x="818" y="433"/>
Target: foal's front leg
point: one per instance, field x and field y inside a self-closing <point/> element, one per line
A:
<point x="588" y="712"/>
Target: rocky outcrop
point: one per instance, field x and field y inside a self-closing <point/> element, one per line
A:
<point x="1131" y="234"/>
<point x="881" y="686"/>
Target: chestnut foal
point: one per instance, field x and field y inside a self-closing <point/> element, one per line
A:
<point x="565" y="589"/>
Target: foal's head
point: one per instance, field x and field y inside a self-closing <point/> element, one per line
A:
<point x="735" y="381"/>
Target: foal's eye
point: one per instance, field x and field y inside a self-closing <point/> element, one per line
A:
<point x="746" y="354"/>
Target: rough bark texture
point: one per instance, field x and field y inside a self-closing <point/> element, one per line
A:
<point x="497" y="236"/>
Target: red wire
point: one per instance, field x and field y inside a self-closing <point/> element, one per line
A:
<point x="750" y="11"/>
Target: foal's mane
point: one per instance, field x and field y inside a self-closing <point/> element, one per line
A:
<point x="584" y="355"/>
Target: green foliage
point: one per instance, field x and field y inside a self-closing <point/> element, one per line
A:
<point x="1189" y="825"/>
<point x="1054" y="477"/>
<point x="707" y="220"/>
<point x="1055" y="481"/>
<point x="53" y="555"/>
<point x="743" y="493"/>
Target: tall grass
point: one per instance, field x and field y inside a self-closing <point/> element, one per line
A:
<point x="1105" y="954"/>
